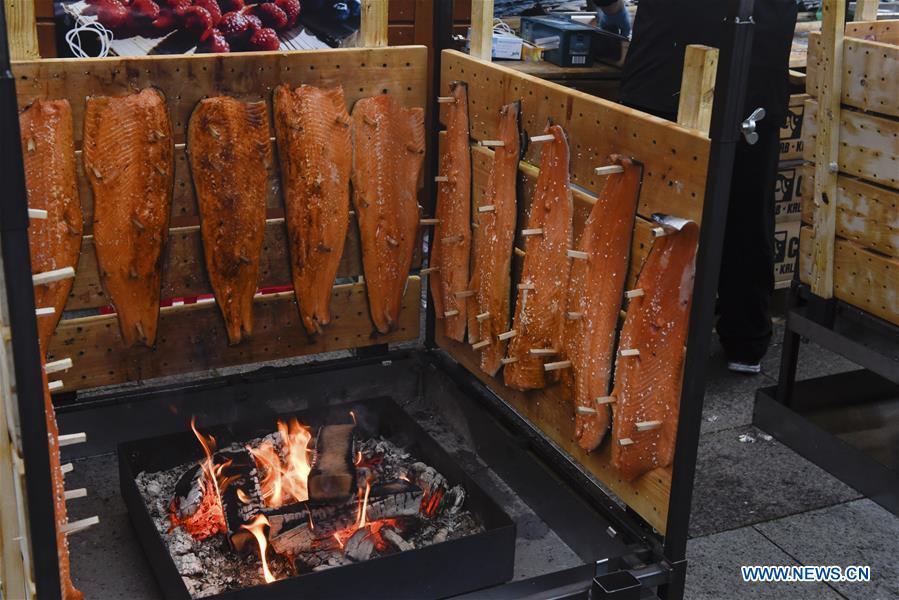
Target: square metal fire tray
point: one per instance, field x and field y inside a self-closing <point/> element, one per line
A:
<point x="444" y="569"/>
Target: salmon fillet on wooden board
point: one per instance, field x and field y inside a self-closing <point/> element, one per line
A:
<point x="315" y="149"/>
<point x="542" y="291"/>
<point x="595" y="292"/>
<point x="228" y="142"/>
<point x="648" y="385"/>
<point x="48" y="149"/>
<point x="388" y="155"/>
<point x="494" y="238"/>
<point x="451" y="245"/>
<point x="57" y="481"/>
<point x="129" y="161"/>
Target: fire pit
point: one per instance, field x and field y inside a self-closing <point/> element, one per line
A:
<point x="321" y="502"/>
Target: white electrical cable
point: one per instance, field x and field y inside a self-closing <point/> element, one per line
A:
<point x="104" y="36"/>
<point x="501" y="27"/>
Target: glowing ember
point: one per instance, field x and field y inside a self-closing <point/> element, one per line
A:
<point x="257" y="528"/>
<point x="285" y="470"/>
<point x="209" y="517"/>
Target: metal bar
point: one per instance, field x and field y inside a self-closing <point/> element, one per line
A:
<point x="789" y="356"/>
<point x="23" y="327"/>
<point x="733" y="68"/>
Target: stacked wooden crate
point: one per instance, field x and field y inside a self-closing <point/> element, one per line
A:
<point x="849" y="246"/>
<point x="788" y="193"/>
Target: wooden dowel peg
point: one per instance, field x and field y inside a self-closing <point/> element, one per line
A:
<point x="630" y="352"/>
<point x="55" y="385"/>
<point x="451" y="313"/>
<point x="426" y="222"/>
<point x="465" y="294"/>
<point x="445" y="99"/>
<point x="76" y="493"/>
<point x="44" y="312"/>
<point x="482" y="344"/>
<point x="487" y="208"/>
<point x="520" y="252"/>
<point x="527" y="232"/>
<point x="37" y="213"/>
<point x="507" y="335"/>
<point x="525" y="286"/>
<point x="508" y="361"/>
<point x="609" y="170"/>
<point x="80" y="525"/>
<point x="625" y="442"/>
<point x="452" y="239"/>
<point x="658" y="232"/>
<point x="606" y="400"/>
<point x="70" y="439"/>
<point x="66" y="468"/>
<point x="482" y="317"/>
<point x="58" y="365"/>
<point x="429" y="270"/>
<point x="54" y="275"/>
<point x="648" y="425"/>
<point x="542" y="352"/>
<point x="441" y="178"/>
<point x="548" y="137"/>
<point x="557" y="366"/>
<point x="492" y="143"/>
<point x="633" y="293"/>
<point x="574" y="316"/>
<point x="578" y="254"/>
<point x="586" y="410"/>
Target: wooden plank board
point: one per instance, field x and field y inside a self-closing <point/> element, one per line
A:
<point x="21" y="29"/>
<point x="553" y="414"/>
<point x="192" y="337"/>
<point x="886" y="32"/>
<point x="674" y="158"/>
<point x="870" y="72"/>
<point x="862" y="278"/>
<point x="866" y="213"/>
<point x="869" y="145"/>
<point x="697" y="90"/>
<point x="482" y="29"/>
<point x="373" y="23"/>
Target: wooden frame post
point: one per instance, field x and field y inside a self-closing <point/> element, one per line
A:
<point x="866" y="10"/>
<point x="697" y="89"/>
<point x="482" y="29"/>
<point x="21" y="28"/>
<point x="373" y="24"/>
<point x="827" y="146"/>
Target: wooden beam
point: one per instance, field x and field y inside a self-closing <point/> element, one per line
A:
<point x="373" y="24"/>
<point x="697" y="90"/>
<point x="482" y="30"/>
<point x="21" y="27"/>
<point x="866" y="10"/>
<point x="827" y="146"/>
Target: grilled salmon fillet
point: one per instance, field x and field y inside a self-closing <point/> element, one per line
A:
<point x="315" y="149"/>
<point x="389" y="146"/>
<point x="544" y="279"/>
<point x="451" y="246"/>
<point x="228" y="142"/>
<point x="494" y="238"/>
<point x="595" y="290"/>
<point x="648" y="386"/>
<point x="129" y="161"/>
<point x="48" y="149"/>
<point x="57" y="481"/>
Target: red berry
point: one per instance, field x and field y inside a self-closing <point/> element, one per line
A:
<point x="144" y="10"/>
<point x="196" y="20"/>
<point x="255" y="23"/>
<point x="229" y="5"/>
<point x="270" y="15"/>
<point x="213" y="7"/>
<point x="265" y="39"/>
<point x="111" y="13"/>
<point x="291" y="8"/>
<point x="215" y="43"/>
<point x="234" y="25"/>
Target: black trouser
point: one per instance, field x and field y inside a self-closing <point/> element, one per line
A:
<point x="747" y="259"/>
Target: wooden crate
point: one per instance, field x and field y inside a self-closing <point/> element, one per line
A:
<point x="675" y="161"/>
<point x="865" y="220"/>
<point x="192" y="337"/>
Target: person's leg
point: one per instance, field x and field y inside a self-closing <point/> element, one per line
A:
<point x="747" y="261"/>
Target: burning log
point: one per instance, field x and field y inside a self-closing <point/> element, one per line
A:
<point x="333" y="474"/>
<point x="438" y="497"/>
<point x="361" y="545"/>
<point x="391" y="536"/>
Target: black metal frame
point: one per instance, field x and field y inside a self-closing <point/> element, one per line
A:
<point x="655" y="562"/>
<point x="784" y="410"/>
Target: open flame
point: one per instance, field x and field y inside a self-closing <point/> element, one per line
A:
<point x="285" y="470"/>
<point x="257" y="528"/>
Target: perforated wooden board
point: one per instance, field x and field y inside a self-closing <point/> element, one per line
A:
<point x="191" y="337"/>
<point x="675" y="162"/>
